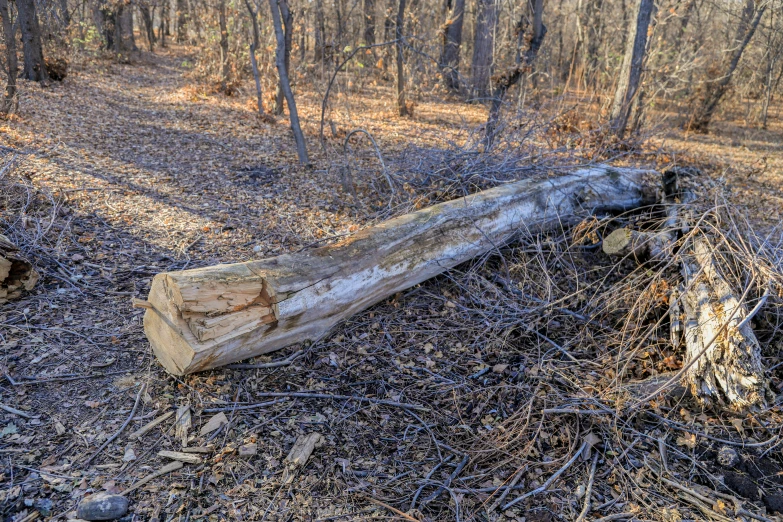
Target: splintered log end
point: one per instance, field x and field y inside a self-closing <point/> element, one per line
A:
<point x="16" y="272"/>
<point x="198" y="319"/>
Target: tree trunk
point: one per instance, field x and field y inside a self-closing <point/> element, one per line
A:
<point x="10" y="100"/>
<point x="225" y="70"/>
<point x="452" y="41"/>
<point x="34" y="66"/>
<point x="631" y="72"/>
<point x="288" y="26"/>
<point x="203" y="318"/>
<point x="124" y="40"/>
<point x="16" y="272"/>
<point x="319" y="32"/>
<point x="254" y="64"/>
<point x="282" y="71"/>
<point x="163" y="28"/>
<point x="149" y="28"/>
<point x="483" y="49"/>
<point x="369" y="22"/>
<point x="717" y="86"/>
<point x="593" y="28"/>
<point x="182" y="21"/>
<point x="402" y="108"/>
<point x="510" y="78"/>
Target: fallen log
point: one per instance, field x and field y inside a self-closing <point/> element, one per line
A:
<point x="207" y="317"/>
<point x="16" y="272"/>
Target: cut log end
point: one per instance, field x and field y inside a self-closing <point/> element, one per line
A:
<point x="16" y="273"/>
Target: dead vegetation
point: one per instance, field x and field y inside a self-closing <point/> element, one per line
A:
<point x="509" y="388"/>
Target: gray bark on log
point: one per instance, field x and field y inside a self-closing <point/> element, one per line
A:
<point x="204" y="318"/>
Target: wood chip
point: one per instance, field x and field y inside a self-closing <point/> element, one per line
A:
<point x="188" y="458"/>
<point x="214" y="423"/>
<point x="183" y="424"/>
<point x="303" y="448"/>
<point x="168" y="468"/>
<point x="147" y="427"/>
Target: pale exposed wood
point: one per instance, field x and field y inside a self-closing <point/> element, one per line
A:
<point x="187" y="458"/>
<point x="726" y="362"/>
<point x="182" y="424"/>
<point x="303" y="448"/>
<point x="16" y="272"/>
<point x="217" y="315"/>
<point x="147" y="427"/>
<point x="168" y="468"/>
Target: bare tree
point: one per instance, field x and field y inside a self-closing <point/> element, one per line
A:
<point x="288" y="30"/>
<point x="511" y="77"/>
<point x="630" y="78"/>
<point x="34" y="65"/>
<point x="282" y="71"/>
<point x="369" y="22"/>
<point x="402" y="108"/>
<point x="483" y="48"/>
<point x="253" y="48"/>
<point x="718" y="82"/>
<point x="452" y="41"/>
<point x="10" y="99"/>
<point x="182" y="21"/>
<point x="225" y="69"/>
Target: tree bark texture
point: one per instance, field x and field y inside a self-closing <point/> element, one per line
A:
<point x="288" y="31"/>
<point x="452" y="41"/>
<point x="402" y="108"/>
<point x="483" y="49"/>
<point x="10" y="100"/>
<point x="34" y="66"/>
<point x="631" y="71"/>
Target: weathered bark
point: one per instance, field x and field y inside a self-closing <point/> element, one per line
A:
<point x="717" y="85"/>
<point x="483" y="49"/>
<point x="319" y="32"/>
<point x="124" y="40"/>
<point x="163" y="28"/>
<point x="369" y="22"/>
<point x="452" y="41"/>
<point x="225" y="71"/>
<point x="593" y="29"/>
<point x="34" y="67"/>
<point x="203" y="318"/>
<point x="10" y="100"/>
<point x="16" y="272"/>
<point x="402" y="108"/>
<point x="282" y="71"/>
<point x="631" y="72"/>
<point x="288" y="29"/>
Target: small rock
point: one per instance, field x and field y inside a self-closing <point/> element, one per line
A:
<point x="102" y="506"/>
<point x="728" y="457"/>
<point x="248" y="450"/>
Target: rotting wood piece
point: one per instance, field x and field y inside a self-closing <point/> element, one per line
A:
<point x="208" y="317"/>
<point x="16" y="272"/>
<point x="728" y="370"/>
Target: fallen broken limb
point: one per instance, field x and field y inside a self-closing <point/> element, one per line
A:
<point x="16" y="272"/>
<point x="208" y="317"/>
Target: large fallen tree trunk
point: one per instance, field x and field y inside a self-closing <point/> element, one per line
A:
<point x="16" y="272"/>
<point x="207" y="317"/>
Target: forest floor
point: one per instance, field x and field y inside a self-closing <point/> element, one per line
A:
<point x="127" y="170"/>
